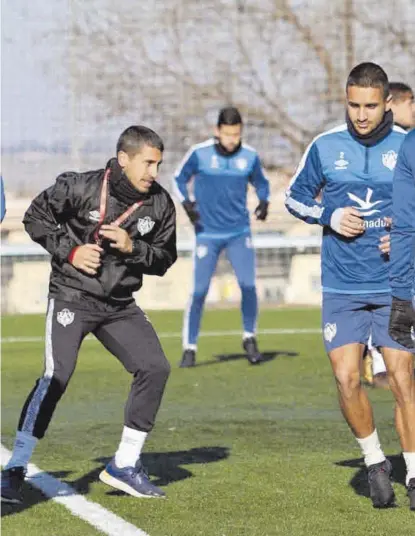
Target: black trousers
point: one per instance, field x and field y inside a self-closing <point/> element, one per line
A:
<point x="126" y="333"/>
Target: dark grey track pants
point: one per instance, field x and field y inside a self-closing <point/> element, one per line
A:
<point x="126" y="333"/>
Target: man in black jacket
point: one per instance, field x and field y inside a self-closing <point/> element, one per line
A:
<point x="104" y="229"/>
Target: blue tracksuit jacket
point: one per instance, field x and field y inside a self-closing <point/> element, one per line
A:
<point x="403" y="227"/>
<point x="220" y="187"/>
<point x="347" y="173"/>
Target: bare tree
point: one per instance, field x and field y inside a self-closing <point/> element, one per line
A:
<point x="282" y="62"/>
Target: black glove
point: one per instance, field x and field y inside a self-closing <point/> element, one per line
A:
<point x="401" y="322"/>
<point x="190" y="208"/>
<point x="261" y="211"/>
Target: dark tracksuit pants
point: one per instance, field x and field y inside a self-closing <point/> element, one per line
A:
<point x="126" y="333"/>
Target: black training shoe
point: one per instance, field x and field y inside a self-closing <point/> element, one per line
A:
<point x="381" y="491"/>
<point x="251" y="348"/>
<point x="11" y="485"/>
<point x="188" y="359"/>
<point x="411" y="494"/>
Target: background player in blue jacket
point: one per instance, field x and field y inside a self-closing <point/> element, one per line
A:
<point x="221" y="169"/>
<point x="402" y="319"/>
<point x="352" y="167"/>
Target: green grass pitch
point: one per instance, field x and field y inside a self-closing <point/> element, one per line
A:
<point x="239" y="450"/>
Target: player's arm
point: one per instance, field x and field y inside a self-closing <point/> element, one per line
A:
<point x="48" y="211"/>
<point x="157" y="257"/>
<point x="401" y="269"/>
<point x="186" y="170"/>
<point x="303" y="190"/>
<point x="261" y="185"/>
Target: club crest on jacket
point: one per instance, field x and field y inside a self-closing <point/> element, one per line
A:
<point x="144" y="225"/>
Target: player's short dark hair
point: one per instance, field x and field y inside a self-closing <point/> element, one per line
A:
<point x="229" y="116"/>
<point x="399" y="90"/>
<point x="135" y="137"/>
<point x="369" y="75"/>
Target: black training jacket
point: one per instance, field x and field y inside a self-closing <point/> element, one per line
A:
<point x="67" y="215"/>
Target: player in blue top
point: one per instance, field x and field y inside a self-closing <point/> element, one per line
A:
<point x="352" y="167"/>
<point x="221" y="169"/>
<point x="402" y="319"/>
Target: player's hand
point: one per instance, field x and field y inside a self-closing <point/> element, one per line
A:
<point x="347" y="222"/>
<point x="401" y="322"/>
<point x="261" y="211"/>
<point x="87" y="258"/>
<point x="119" y="238"/>
<point x="192" y="213"/>
<point x="385" y="240"/>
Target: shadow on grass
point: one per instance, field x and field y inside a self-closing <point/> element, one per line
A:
<point x="166" y="467"/>
<point x="359" y="480"/>
<point x="266" y="356"/>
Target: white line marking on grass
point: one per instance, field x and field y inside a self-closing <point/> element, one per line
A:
<point x="178" y="334"/>
<point x="94" y="514"/>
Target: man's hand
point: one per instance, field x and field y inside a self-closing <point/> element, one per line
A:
<point x="118" y="237"/>
<point x="385" y="241"/>
<point x="347" y="222"/>
<point x="401" y="322"/>
<point x="87" y="258"/>
<point x="192" y="213"/>
<point x="261" y="211"/>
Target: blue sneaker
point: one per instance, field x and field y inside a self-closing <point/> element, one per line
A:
<point x="11" y="485"/>
<point x="131" y="480"/>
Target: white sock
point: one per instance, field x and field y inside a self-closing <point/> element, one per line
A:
<point x="248" y="335"/>
<point x="23" y="448"/>
<point x="410" y="465"/>
<point x="378" y="364"/>
<point x="371" y="449"/>
<point x="190" y="347"/>
<point x="130" y="447"/>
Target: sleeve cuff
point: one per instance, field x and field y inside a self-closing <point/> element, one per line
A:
<point x="326" y="216"/>
<point x="72" y="254"/>
<point x="63" y="252"/>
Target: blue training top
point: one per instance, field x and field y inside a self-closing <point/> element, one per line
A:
<point x="403" y="227"/>
<point x="220" y="186"/>
<point x="348" y="174"/>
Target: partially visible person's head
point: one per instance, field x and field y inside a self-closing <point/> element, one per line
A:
<point x="403" y="105"/>
<point x="139" y="153"/>
<point x="229" y="128"/>
<point x="367" y="92"/>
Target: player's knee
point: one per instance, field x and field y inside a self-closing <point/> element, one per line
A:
<point x="348" y="381"/>
<point x="200" y="293"/>
<point x="199" y="296"/>
<point x="156" y="369"/>
<point x="402" y="384"/>
<point x="247" y="288"/>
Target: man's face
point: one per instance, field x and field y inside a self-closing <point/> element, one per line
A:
<point x="229" y="136"/>
<point x="366" y="107"/>
<point x="142" y="168"/>
<point x="404" y="110"/>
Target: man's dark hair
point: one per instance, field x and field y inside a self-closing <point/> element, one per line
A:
<point x="369" y="75"/>
<point x="229" y="116"/>
<point x="399" y="90"/>
<point x="135" y="137"/>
